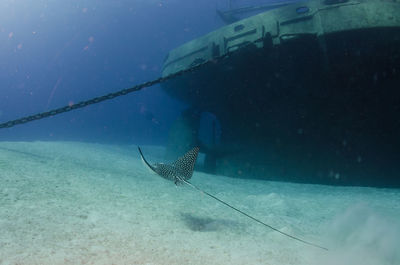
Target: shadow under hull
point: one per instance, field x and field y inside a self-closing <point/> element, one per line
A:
<point x="315" y="109"/>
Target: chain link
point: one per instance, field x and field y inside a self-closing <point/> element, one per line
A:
<point x="109" y="96"/>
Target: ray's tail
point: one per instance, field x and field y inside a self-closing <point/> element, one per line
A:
<point x="253" y="218"/>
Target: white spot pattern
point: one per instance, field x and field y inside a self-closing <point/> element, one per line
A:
<point x="181" y="169"/>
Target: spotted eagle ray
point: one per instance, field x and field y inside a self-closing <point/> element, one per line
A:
<point x="182" y="170"/>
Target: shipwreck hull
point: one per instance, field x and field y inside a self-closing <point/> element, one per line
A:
<point x="309" y="92"/>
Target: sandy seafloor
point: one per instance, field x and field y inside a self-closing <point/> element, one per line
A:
<point x="80" y="203"/>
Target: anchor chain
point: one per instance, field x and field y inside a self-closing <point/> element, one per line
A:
<point x="109" y="96"/>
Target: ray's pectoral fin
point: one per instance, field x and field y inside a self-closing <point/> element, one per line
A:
<point x="185" y="164"/>
<point x="150" y="167"/>
<point x="179" y="171"/>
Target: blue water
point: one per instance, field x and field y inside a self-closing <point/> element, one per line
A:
<point x="54" y="53"/>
